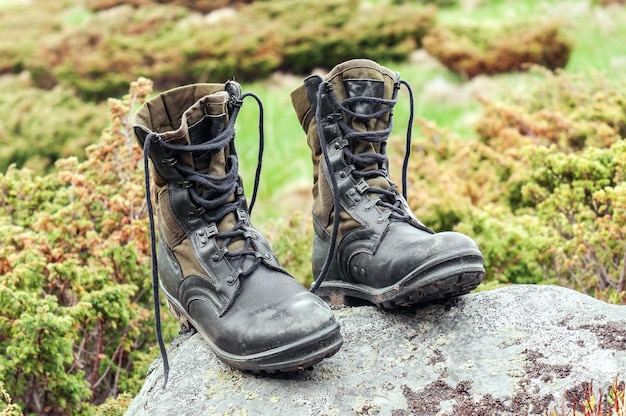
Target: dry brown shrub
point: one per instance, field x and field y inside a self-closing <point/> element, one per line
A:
<point x="472" y="50"/>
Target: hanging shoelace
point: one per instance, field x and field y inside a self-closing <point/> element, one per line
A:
<point x="211" y="201"/>
<point x="386" y="198"/>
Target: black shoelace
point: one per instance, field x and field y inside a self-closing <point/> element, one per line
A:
<point x="386" y="198"/>
<point x="211" y="201"/>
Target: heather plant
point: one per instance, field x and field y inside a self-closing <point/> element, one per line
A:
<point x="323" y="33"/>
<point x="75" y="321"/>
<point x="19" y="41"/>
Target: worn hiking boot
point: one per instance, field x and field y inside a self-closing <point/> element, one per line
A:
<point x="218" y="273"/>
<point x="368" y="244"/>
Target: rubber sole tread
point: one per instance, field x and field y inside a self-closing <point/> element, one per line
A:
<point x="422" y="290"/>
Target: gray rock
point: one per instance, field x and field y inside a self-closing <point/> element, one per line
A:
<point x="518" y="350"/>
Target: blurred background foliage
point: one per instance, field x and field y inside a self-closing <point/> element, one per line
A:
<point x="521" y="110"/>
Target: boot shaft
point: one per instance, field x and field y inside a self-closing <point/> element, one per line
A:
<point x="194" y="166"/>
<point x="362" y="94"/>
<point x="190" y="115"/>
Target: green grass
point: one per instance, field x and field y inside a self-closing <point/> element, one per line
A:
<point x="286" y="159"/>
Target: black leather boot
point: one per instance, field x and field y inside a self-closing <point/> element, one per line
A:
<point x="368" y="244"/>
<point x="218" y="273"/>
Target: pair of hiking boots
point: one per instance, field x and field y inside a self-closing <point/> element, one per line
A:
<point x="218" y="272"/>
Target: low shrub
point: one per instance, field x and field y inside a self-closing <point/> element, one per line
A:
<point x="75" y="287"/>
<point x="38" y="127"/>
<point x="325" y="33"/>
<point x="545" y="208"/>
<point x="581" y="198"/>
<point x="574" y="112"/>
<point x="173" y="45"/>
<point x="472" y="49"/>
<point x="19" y="41"/>
<point x="7" y="408"/>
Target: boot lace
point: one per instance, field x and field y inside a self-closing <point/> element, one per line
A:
<point x="210" y="194"/>
<point x="388" y="199"/>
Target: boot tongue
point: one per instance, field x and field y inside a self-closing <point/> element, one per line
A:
<point x="364" y="88"/>
<point x="205" y="120"/>
<point x="374" y="88"/>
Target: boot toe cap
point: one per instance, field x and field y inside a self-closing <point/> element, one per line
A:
<point x="275" y="323"/>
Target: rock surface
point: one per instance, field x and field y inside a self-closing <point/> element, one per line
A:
<point x="518" y="350"/>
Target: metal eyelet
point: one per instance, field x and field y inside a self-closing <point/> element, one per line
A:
<point x="169" y="162"/>
<point x="184" y="184"/>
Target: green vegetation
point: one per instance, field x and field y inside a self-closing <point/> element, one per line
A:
<point x="75" y="327"/>
<point x="531" y="164"/>
<point x="174" y="45"/>
<point x="38" y="126"/>
<point x="597" y="402"/>
<point x="542" y="188"/>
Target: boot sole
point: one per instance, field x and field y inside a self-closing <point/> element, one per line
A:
<point x="297" y="356"/>
<point x="450" y="279"/>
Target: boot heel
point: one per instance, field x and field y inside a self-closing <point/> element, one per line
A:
<point x="336" y="300"/>
<point x="185" y="325"/>
<point x="339" y="299"/>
